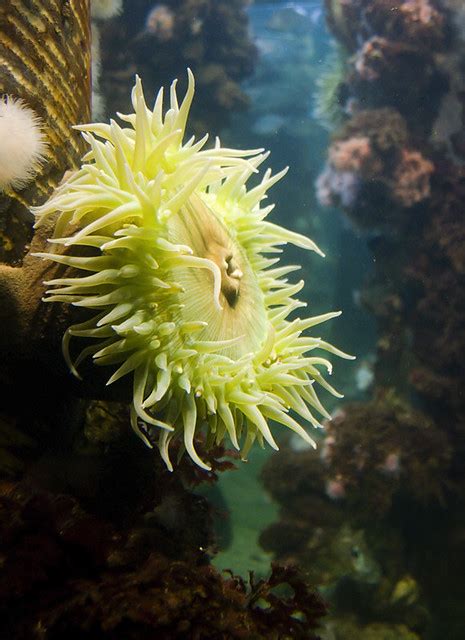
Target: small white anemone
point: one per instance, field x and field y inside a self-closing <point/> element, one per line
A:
<point x="183" y="282"/>
<point x="22" y="145"/>
<point x="104" y="9"/>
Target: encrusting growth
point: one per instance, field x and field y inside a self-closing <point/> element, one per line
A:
<point x="184" y="284"/>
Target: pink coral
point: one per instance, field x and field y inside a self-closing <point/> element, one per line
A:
<point x="337" y="187"/>
<point x="369" y="59"/>
<point x="412" y="178"/>
<point x="419" y="11"/>
<point x="335" y="488"/>
<point x="350" y="155"/>
<point x="415" y="23"/>
<point x="424" y="24"/>
<point x="326" y="450"/>
<point x="160" y="22"/>
<point x="391" y="464"/>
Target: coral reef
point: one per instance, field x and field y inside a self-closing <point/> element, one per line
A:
<point x="371" y="159"/>
<point x="385" y="449"/>
<point x="99" y="539"/>
<point x="415" y="22"/>
<point x="412" y="179"/>
<point x="392" y="467"/>
<point x="159" y="40"/>
<point x="395" y="51"/>
<point x="351" y="545"/>
<point x="81" y="575"/>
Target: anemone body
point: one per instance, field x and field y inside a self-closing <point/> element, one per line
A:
<point x="183" y="283"/>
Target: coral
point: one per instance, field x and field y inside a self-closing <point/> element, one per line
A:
<point x="336" y="488"/>
<point x="412" y="178"/>
<point x="187" y="302"/>
<point x="373" y="454"/>
<point x="447" y="230"/>
<point x="391" y="74"/>
<point x="369" y="57"/>
<point x="74" y="574"/>
<point x="348" y="629"/>
<point x="313" y="531"/>
<point x="23" y="143"/>
<point x="370" y="158"/>
<point x="386" y="129"/>
<point x="354" y="154"/>
<point x="356" y="555"/>
<point x="379" y="59"/>
<point x="337" y="188"/>
<point x="395" y="61"/>
<point x="384" y="447"/>
<point x="160" y="22"/>
<point x="399" y="456"/>
<point x="159" y="40"/>
<point x="416" y="22"/>
<point x="435" y="273"/>
<point x="438" y="332"/>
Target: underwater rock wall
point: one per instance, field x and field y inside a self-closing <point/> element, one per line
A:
<point x="97" y="538"/>
<point x="159" y="40"/>
<point x="83" y="576"/>
<point x="392" y="468"/>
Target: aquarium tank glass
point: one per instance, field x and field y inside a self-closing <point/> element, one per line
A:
<point x="232" y="300"/>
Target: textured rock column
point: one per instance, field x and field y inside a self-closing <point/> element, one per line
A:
<point x="45" y="61"/>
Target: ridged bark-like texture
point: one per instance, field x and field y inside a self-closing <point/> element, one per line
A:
<point x="45" y="61"/>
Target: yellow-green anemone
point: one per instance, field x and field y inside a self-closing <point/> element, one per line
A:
<point x="184" y="284"/>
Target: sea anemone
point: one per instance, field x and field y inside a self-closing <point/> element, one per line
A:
<point x="104" y="9"/>
<point x="23" y="143"/>
<point x="160" y="22"/>
<point x="328" y="107"/>
<point x="183" y="277"/>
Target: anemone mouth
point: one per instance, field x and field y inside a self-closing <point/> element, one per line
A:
<point x="226" y="294"/>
